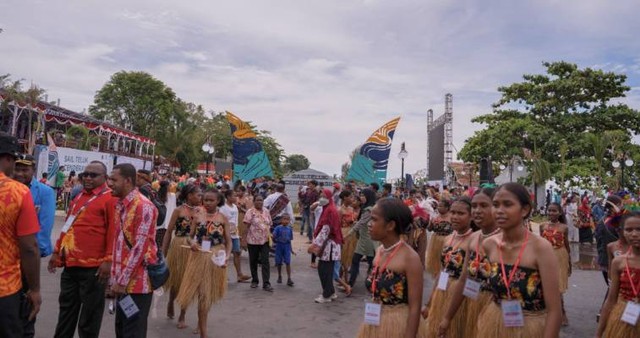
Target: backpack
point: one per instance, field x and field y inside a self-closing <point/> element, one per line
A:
<point x="153" y="197"/>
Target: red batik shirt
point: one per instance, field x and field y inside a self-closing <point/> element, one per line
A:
<point x="89" y="241"/>
<point x="135" y="218"/>
<point x="17" y="218"/>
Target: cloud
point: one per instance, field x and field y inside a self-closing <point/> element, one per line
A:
<point x="321" y="75"/>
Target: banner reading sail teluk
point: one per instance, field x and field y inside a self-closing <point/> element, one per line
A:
<point x="370" y="162"/>
<point x="249" y="159"/>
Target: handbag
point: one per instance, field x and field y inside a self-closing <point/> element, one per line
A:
<point x="158" y="272"/>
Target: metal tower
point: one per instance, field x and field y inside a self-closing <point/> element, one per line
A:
<point x="429" y="125"/>
<point x="448" y="137"/>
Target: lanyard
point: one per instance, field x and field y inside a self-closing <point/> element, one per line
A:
<point x="507" y="282"/>
<point x="374" y="283"/>
<point x="633" y="287"/>
<point x="86" y="204"/>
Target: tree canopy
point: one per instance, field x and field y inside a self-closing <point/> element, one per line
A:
<point x="545" y="111"/>
<point x="296" y="162"/>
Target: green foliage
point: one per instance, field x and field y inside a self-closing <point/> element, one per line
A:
<point x="550" y="114"/>
<point x="296" y="162"/>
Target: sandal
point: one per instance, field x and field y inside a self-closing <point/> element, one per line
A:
<point x="290" y="282"/>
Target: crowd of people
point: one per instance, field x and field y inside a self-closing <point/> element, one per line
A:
<point x="493" y="276"/>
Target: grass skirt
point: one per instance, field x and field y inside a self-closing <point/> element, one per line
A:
<point x="393" y="323"/>
<point x="418" y="241"/>
<point x="616" y="327"/>
<point x="437" y="309"/>
<point x="434" y="251"/>
<point x="474" y="309"/>
<point x="563" y="263"/>
<point x="176" y="261"/>
<point x="203" y="279"/>
<point x="348" y="247"/>
<point x="490" y="324"/>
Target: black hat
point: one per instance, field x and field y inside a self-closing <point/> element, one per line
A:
<point x="26" y="159"/>
<point x="8" y="144"/>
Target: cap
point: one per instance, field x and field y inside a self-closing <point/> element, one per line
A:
<point x="26" y="159"/>
<point x="336" y="185"/>
<point x="8" y="144"/>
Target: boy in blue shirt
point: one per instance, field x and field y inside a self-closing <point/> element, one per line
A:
<point x="282" y="236"/>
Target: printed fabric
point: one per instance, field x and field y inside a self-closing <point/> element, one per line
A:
<point x="626" y="291"/>
<point x="479" y="269"/>
<point x="441" y="227"/>
<point x="391" y="287"/>
<point x="259" y="222"/>
<point x="526" y="287"/>
<point x="555" y="237"/>
<point x="452" y="261"/>
<point x="183" y="226"/>
<point x="212" y="231"/>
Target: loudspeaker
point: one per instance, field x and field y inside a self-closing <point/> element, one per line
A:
<point x="486" y="171"/>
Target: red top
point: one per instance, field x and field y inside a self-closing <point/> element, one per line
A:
<point x="626" y="291"/>
<point x="89" y="242"/>
<point x="136" y="219"/>
<point x="555" y="237"/>
<point x="17" y="218"/>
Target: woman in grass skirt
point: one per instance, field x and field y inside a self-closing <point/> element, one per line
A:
<point x="347" y="218"/>
<point x="522" y="266"/>
<point x="452" y="258"/>
<point x="477" y="268"/>
<point x="556" y="232"/>
<point x="180" y="226"/>
<point x="396" y="279"/>
<point x="441" y="228"/>
<point x="204" y="279"/>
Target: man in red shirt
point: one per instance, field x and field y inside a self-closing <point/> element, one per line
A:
<point x="134" y="248"/>
<point x="84" y="250"/>
<point x="18" y="229"/>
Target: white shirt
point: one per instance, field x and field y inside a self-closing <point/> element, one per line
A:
<point x="231" y="213"/>
<point x="268" y="202"/>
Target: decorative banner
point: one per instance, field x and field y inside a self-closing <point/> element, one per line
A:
<point x="53" y="162"/>
<point x="370" y="163"/>
<point x="249" y="159"/>
<point x="51" y="158"/>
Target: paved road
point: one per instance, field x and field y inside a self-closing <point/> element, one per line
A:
<point x="291" y="312"/>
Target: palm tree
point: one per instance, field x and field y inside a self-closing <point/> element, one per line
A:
<point x="82" y="136"/>
<point x="600" y="143"/>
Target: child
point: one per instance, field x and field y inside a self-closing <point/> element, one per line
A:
<point x="622" y="300"/>
<point x="282" y="236"/>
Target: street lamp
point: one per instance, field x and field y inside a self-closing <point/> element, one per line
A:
<point x="512" y="162"/>
<point x="617" y="164"/>
<point x="402" y="155"/>
<point x="209" y="150"/>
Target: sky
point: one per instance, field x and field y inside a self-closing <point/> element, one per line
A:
<point x="320" y="75"/>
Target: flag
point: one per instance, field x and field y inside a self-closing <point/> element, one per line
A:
<point x="376" y="149"/>
<point x="249" y="159"/>
<point x="53" y="162"/>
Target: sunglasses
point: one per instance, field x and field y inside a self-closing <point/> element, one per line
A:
<point x="91" y="175"/>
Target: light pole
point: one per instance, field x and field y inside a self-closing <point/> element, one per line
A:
<point x="209" y="150"/>
<point x="513" y="160"/>
<point x="626" y="163"/>
<point x="402" y="155"/>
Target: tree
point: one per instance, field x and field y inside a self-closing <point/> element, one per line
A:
<point x="296" y="162"/>
<point x="558" y="108"/>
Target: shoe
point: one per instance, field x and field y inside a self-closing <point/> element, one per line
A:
<point x="290" y="282"/>
<point x="279" y="280"/>
<point x="334" y="296"/>
<point x="322" y="300"/>
<point x="254" y="285"/>
<point x="267" y="288"/>
<point x="243" y="279"/>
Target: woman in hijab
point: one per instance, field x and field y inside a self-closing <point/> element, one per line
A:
<point x="327" y="239"/>
<point x="365" y="246"/>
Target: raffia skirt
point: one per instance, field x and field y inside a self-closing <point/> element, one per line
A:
<point x="434" y="250"/>
<point x="563" y="263"/>
<point x="348" y="247"/>
<point x="203" y="280"/>
<point x="490" y="324"/>
<point x="474" y="309"/>
<point x="616" y="327"/>
<point x="437" y="309"/>
<point x="176" y="261"/>
<point x="393" y="323"/>
<point x="418" y="241"/>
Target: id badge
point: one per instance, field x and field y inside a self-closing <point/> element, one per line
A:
<point x="372" y="314"/>
<point x="471" y="288"/>
<point x="512" y="315"/>
<point x="68" y="223"/>
<point x="631" y="313"/>
<point x="206" y="245"/>
<point x="443" y="280"/>
<point x="128" y="306"/>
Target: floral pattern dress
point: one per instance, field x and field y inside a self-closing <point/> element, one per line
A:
<point x="391" y="287"/>
<point x="526" y="287"/>
<point x="183" y="226"/>
<point x="212" y="231"/>
<point x="555" y="237"/>
<point x="479" y="269"/>
<point x="452" y="260"/>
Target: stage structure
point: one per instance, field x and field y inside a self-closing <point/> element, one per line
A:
<point x="440" y="143"/>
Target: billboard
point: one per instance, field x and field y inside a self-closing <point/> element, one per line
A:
<point x="436" y="153"/>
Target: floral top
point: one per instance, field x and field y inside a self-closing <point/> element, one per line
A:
<point x="183" y="226"/>
<point x="391" y="287"/>
<point x="332" y="250"/>
<point x="213" y="231"/>
<point x="259" y="222"/>
<point x="555" y="237"/>
<point x="452" y="260"/>
<point x="526" y="287"/>
<point x="626" y="291"/>
<point x="347" y="218"/>
<point x="441" y="227"/>
<point x="479" y="270"/>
